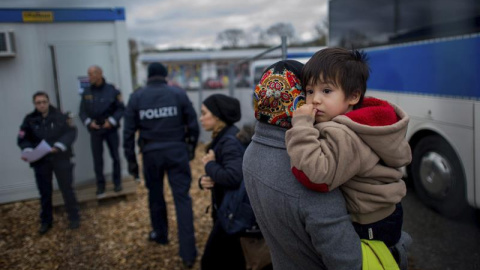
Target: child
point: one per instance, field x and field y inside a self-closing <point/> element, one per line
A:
<point x="340" y="139"/>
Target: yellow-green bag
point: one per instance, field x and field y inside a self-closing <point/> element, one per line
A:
<point x="376" y="256"/>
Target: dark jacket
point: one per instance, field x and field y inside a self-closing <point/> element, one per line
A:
<point x="226" y="170"/>
<point x="101" y="103"/>
<point x="164" y="116"/>
<point x="56" y="129"/>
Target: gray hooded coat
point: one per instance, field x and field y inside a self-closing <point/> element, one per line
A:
<point x="304" y="229"/>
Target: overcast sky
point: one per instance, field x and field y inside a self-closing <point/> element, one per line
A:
<point x="196" y="23"/>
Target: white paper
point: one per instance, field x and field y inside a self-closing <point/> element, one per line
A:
<point x="40" y="151"/>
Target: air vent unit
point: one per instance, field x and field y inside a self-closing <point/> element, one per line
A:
<point x="7" y="44"/>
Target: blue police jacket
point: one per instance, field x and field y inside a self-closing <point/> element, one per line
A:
<point x="164" y="116"/>
<point x="101" y="103"/>
<point x="56" y="129"/>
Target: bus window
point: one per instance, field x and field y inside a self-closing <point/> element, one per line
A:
<point x="378" y="22"/>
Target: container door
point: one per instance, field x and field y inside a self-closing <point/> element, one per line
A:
<point x="71" y="61"/>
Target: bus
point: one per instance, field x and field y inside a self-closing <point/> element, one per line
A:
<point x="425" y="57"/>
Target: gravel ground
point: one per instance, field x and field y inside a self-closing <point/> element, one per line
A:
<point x="113" y="234"/>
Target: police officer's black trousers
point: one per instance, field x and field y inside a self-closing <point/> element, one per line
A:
<point x="173" y="160"/>
<point x="96" y="143"/>
<point x="63" y="169"/>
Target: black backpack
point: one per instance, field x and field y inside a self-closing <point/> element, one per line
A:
<point x="235" y="213"/>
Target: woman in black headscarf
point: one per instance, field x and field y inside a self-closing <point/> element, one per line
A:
<point x="223" y="168"/>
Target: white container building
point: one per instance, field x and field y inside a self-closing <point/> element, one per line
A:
<point x="50" y="49"/>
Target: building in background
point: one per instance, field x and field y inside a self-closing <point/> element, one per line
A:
<point x="209" y="69"/>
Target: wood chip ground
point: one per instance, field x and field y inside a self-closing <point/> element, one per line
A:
<point x="113" y="233"/>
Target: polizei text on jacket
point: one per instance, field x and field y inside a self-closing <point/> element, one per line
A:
<point x="158" y="112"/>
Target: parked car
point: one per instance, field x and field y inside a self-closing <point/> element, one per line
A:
<point x="211" y="83"/>
<point x="243" y="82"/>
<point x="193" y="85"/>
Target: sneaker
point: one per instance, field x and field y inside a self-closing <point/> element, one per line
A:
<point x="44" y="228"/>
<point x="153" y="236"/>
<point x="118" y="188"/>
<point x="100" y="193"/>
<point x="74" y="224"/>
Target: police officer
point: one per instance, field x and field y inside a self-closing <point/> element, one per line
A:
<point x="166" y="120"/>
<point x="101" y="109"/>
<point x="49" y="124"/>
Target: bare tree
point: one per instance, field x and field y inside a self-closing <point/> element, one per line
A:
<point x="321" y="33"/>
<point x="231" y="37"/>
<point x="133" y="51"/>
<point x="282" y="29"/>
<point x="256" y="36"/>
<point x="321" y="28"/>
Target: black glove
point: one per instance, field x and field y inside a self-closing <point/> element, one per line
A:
<point x="191" y="145"/>
<point x="133" y="169"/>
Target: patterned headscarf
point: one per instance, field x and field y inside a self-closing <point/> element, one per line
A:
<point x="279" y="93"/>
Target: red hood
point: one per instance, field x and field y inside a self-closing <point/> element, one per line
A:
<point x="374" y="112"/>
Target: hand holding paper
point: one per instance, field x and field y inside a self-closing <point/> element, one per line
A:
<point x="40" y="151"/>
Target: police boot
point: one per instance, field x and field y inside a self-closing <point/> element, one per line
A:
<point x="44" y="228"/>
<point x="153" y="236"/>
<point x="188" y="264"/>
<point x="118" y="188"/>
<point x="74" y="224"/>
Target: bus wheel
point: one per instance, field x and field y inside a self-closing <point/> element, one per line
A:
<point x="438" y="176"/>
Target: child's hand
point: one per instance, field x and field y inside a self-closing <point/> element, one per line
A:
<point x="306" y="109"/>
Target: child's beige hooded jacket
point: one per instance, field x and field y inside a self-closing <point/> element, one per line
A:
<point x="361" y="151"/>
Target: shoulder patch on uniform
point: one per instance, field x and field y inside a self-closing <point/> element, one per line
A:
<point x="119" y="98"/>
<point x="88" y="97"/>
